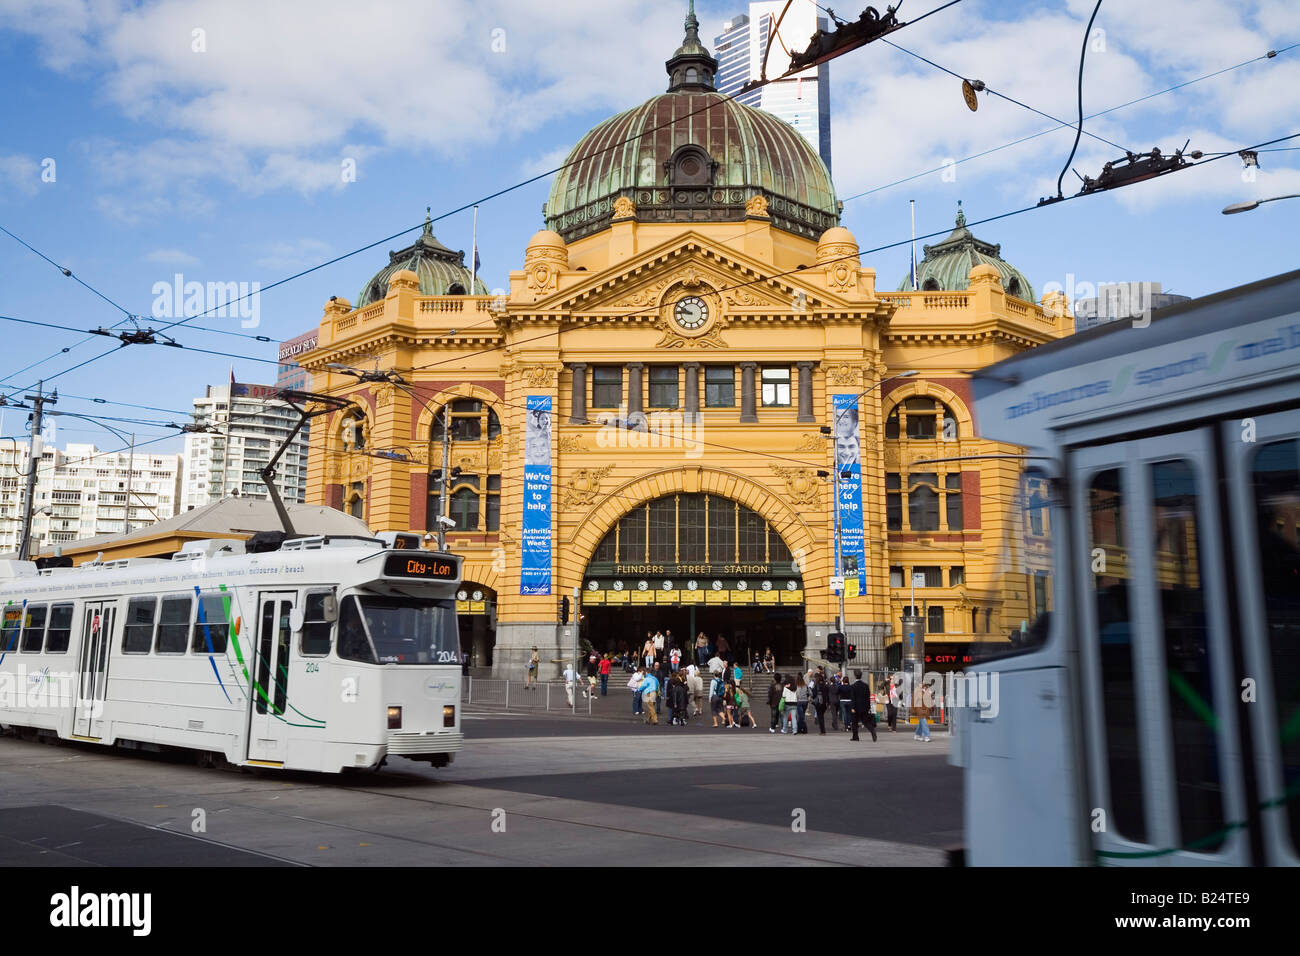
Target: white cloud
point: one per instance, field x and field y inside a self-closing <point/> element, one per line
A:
<point x="172" y="257"/>
<point x="292" y="254"/>
<point x="19" y="175"/>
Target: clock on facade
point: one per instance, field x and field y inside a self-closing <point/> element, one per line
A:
<point x="691" y="312"/>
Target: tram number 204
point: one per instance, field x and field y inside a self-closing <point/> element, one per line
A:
<point x="448" y="657"/>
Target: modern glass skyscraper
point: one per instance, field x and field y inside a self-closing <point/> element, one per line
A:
<point x="803" y="100"/>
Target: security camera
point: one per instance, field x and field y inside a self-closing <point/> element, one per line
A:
<point x="446" y="522"/>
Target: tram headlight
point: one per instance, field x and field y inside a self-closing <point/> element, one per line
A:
<point x="394" y="718"/>
<point x="449" y="715"/>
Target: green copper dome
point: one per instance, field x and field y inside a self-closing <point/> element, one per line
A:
<point x="441" y="271"/>
<point x="693" y="155"/>
<point x="947" y="265"/>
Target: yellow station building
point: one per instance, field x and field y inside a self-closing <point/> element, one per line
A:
<point x="691" y="309"/>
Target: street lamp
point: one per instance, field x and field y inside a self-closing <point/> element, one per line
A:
<point x="1254" y="204"/>
<point x="832" y="433"/>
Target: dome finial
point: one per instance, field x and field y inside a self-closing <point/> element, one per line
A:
<point x="692" y="68"/>
<point x="428" y="220"/>
<point x="961" y="216"/>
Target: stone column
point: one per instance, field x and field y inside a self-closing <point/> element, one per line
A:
<point x="579" y="396"/>
<point x="748" y="404"/>
<point x="692" y="406"/>
<point x="806" y="392"/>
<point x="635" y="414"/>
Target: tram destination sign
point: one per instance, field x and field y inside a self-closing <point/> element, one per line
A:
<point x="428" y="566"/>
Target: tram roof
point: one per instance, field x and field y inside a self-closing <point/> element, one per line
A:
<point x="1202" y="345"/>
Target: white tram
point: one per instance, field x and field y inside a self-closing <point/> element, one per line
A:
<point x="324" y="653"/>
<point x="1148" y="708"/>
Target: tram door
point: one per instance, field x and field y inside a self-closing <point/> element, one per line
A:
<point x="96" y="635"/>
<point x="1159" y="681"/>
<point x="268" y="722"/>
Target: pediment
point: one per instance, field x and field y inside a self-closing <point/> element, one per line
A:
<point x="689" y="262"/>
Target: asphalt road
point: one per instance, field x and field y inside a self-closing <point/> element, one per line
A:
<point x="538" y="790"/>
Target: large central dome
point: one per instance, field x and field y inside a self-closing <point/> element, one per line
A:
<point x="692" y="155"/>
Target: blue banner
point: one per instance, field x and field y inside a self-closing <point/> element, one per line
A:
<point x="535" y="564"/>
<point x="848" y="463"/>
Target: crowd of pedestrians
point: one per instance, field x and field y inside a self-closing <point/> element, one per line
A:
<point x="670" y="684"/>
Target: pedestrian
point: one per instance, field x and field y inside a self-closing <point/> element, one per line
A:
<point x="729" y="698"/>
<point x="681" y="698"/>
<point x="570" y="682"/>
<point x="769" y="661"/>
<point x="606" y="663"/>
<point x="648" y="650"/>
<point x="891" y="708"/>
<point x="743" y="713"/>
<point x="846" y="702"/>
<point x="789" y="703"/>
<point x="696" y="684"/>
<point x="801" y="703"/>
<point x="723" y="649"/>
<point x="634" y="685"/>
<point x="701" y="649"/>
<point x="593" y="670"/>
<point x="675" y="658"/>
<point x="774" y="701"/>
<point x="659" y="644"/>
<point x="717" y="702"/>
<point x="534" y="665"/>
<point x="860" y="696"/>
<point x="833" y="689"/>
<point x="649" y="696"/>
<point x="819" y="694"/>
<point x="922" y="701"/>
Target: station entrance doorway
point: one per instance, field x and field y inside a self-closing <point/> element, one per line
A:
<point x="688" y="563"/>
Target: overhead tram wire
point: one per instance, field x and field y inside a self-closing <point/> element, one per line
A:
<point x="1083" y="52"/>
<point x="1009" y="99"/>
<point x="819" y="265"/>
<point x="725" y="98"/>
<point x="1024" y="139"/>
<point x="106" y="401"/>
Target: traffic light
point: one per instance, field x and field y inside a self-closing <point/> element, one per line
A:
<point x="851" y="651"/>
<point x="564" y="610"/>
<point x="835" y="647"/>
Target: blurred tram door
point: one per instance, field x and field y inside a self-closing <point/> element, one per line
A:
<point x="268" y="722"/>
<point x="96" y="634"/>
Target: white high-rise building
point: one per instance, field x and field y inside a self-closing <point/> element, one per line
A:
<point x="803" y="100"/>
<point x="82" y="492"/>
<point x="256" y="428"/>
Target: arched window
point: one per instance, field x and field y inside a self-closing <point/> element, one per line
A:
<point x="456" y="289"/>
<point x="695" y="529"/>
<point x="930" y="285"/>
<point x="692" y="75"/>
<point x="926" y="419"/>
<point x="1013" y="287"/>
<point x="356" y="500"/>
<point x="470" y="420"/>
<point x="353" y="431"/>
<point x="923" y="501"/>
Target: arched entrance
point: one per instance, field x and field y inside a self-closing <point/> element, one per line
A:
<point x="691" y="562"/>
<point x="476" y="614"/>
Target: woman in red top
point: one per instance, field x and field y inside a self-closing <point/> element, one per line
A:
<point x="604" y="675"/>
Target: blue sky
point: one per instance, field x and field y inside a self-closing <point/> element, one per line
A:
<point x="224" y="163"/>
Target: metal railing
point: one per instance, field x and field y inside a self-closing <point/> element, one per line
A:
<point x="520" y="696"/>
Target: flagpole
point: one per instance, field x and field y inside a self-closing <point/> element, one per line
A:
<point x="473" y="281"/>
<point x="912" y="203"/>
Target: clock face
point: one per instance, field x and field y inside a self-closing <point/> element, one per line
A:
<point x="691" y="312"/>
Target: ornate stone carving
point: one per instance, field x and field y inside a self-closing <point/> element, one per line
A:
<point x="844" y="374"/>
<point x="494" y="459"/>
<point x="891" y="455"/>
<point x="841" y="276"/>
<point x="756" y="206"/>
<point x="673" y="339"/>
<point x="801" y="484"/>
<point x="742" y="296"/>
<point x="571" y="443"/>
<point x="690" y="279"/>
<point x="624" y="208"/>
<point x="384" y="394"/>
<point x="538" y="376"/>
<point x="646" y="295"/>
<point x="810" y="442"/>
<point x="584" y="486"/>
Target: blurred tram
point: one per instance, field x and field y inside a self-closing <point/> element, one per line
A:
<point x="1148" y="707"/>
<point x="312" y="653"/>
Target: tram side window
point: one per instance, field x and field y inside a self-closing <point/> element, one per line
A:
<point x="353" y="643"/>
<point x="1188" y="663"/>
<point x="1114" y="639"/>
<point x="174" y="624"/>
<point x="1276" y="477"/>
<point x="34" y="628"/>
<point x="13" y="623"/>
<point x="211" y="625"/>
<point x="315" y="629"/>
<point x="137" y="632"/>
<point x="59" y="633"/>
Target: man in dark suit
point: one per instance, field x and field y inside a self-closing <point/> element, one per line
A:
<point x="860" y="705"/>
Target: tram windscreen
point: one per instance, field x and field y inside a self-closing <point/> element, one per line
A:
<point x="1018" y="620"/>
<point x="400" y="630"/>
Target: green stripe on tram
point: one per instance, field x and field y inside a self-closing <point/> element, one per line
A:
<point x="239" y="654"/>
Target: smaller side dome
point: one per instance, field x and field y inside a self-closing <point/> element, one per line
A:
<point x="548" y="239"/>
<point x="836" y="243"/>
<point x="947" y="265"/>
<point x="437" y="269"/>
